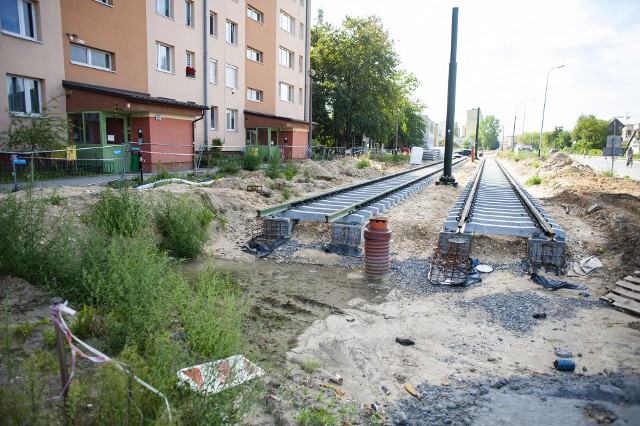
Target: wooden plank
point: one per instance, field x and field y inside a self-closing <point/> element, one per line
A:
<point x="629" y="294"/>
<point x="626" y="307"/>
<point x="623" y="302"/>
<point x="636" y="273"/>
<point x="629" y="286"/>
<point x="632" y="280"/>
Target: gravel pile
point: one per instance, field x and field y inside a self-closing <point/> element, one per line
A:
<point x="515" y="311"/>
<point x="461" y="402"/>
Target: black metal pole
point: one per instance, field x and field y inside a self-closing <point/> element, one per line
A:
<point x="447" y="176"/>
<point x="477" y="131"/>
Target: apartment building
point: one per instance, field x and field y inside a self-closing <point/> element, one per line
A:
<point x="167" y="75"/>
<point x="473" y="117"/>
<point x="31" y="62"/>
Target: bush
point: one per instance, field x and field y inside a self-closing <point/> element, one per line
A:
<point x="121" y="213"/>
<point x="251" y="160"/>
<point x="363" y="163"/>
<point x="230" y="166"/>
<point x="290" y="170"/>
<point x="274" y="170"/>
<point x="33" y="247"/>
<point x="184" y="225"/>
<point x="533" y="180"/>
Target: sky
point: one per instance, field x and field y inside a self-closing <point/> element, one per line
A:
<point x="505" y="51"/>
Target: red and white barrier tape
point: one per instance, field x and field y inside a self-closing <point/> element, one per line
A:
<point x="58" y="320"/>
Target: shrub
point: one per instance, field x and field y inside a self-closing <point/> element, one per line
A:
<point x="535" y="164"/>
<point x="286" y="193"/>
<point x="230" y="166"/>
<point x="363" y="163"/>
<point x="251" y="159"/>
<point x="33" y="247"/>
<point x="533" y="180"/>
<point x="290" y="170"/>
<point x="121" y="213"/>
<point x="308" y="176"/>
<point x="608" y="173"/>
<point x="274" y="170"/>
<point x="184" y="225"/>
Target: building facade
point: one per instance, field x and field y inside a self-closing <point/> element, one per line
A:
<point x="162" y="76"/>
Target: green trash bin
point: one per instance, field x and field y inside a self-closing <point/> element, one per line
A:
<point x="135" y="162"/>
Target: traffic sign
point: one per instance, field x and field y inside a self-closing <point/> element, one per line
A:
<point x="117" y="152"/>
<point x="614" y="141"/>
<point x="615" y="126"/>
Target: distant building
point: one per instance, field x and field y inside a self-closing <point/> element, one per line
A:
<point x="473" y="115"/>
<point x="627" y="132"/>
<point x="431" y="133"/>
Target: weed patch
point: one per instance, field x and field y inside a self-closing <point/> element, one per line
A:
<point x="121" y="213"/>
<point x="363" y="163"/>
<point x="533" y="180"/>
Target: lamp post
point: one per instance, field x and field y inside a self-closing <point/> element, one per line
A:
<point x="311" y="73"/>
<point x="515" y="116"/>
<point x="544" y="105"/>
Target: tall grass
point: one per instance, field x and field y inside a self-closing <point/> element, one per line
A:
<point x="251" y="160"/>
<point x="184" y="225"/>
<point x="121" y="213"/>
<point x="274" y="171"/>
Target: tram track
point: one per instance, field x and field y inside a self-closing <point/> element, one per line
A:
<point x="356" y="203"/>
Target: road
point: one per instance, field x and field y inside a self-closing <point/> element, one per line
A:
<point x="619" y="166"/>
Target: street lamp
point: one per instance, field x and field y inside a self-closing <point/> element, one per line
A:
<point x="311" y="73"/>
<point x="515" y="115"/>
<point x="544" y="105"/>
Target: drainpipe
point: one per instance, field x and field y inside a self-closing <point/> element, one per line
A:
<point x="205" y="67"/>
<point x="307" y="58"/>
<point x="193" y="138"/>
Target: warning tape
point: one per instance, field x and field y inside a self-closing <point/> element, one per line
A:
<point x="58" y="320"/>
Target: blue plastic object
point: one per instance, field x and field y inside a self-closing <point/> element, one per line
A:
<point x="564" y="365"/>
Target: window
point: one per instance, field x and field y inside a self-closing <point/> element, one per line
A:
<point x="107" y="2"/>
<point x="90" y="57"/>
<point x="286" y="22"/>
<point x="163" y="58"/>
<point x="232" y="77"/>
<point x="300" y="96"/>
<point x="254" y="14"/>
<point x="213" y="71"/>
<point x="188" y="13"/>
<point x="213" y="24"/>
<point x="254" y="95"/>
<point x="214" y="117"/>
<point x="24" y="95"/>
<point x="232" y="118"/>
<point x="191" y="65"/>
<point x="163" y="7"/>
<point x="300" y="64"/>
<point x="232" y="32"/>
<point x="301" y="31"/>
<point x="254" y="55"/>
<point x="18" y="17"/>
<point x="286" y="58"/>
<point x="286" y="92"/>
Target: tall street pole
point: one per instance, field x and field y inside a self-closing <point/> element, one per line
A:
<point x="311" y="74"/>
<point x="447" y="176"/>
<point x="544" y="105"/>
<point x="477" y="132"/>
<point x="515" y="116"/>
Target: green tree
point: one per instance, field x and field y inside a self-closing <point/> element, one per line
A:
<point x="45" y="131"/>
<point x="358" y="89"/>
<point x="490" y="132"/>
<point x="558" y="139"/>
<point x="590" y="132"/>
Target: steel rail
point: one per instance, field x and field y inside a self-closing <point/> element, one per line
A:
<point x="306" y="200"/>
<point x="357" y="206"/>
<point x="532" y="209"/>
<point x="470" y="199"/>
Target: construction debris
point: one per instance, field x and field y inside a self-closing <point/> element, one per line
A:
<point x="625" y="295"/>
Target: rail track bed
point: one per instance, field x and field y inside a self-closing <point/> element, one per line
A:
<point x="356" y="203"/>
<point x="493" y="202"/>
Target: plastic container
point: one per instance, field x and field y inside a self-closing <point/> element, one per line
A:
<point x="564" y="365"/>
<point x="416" y="155"/>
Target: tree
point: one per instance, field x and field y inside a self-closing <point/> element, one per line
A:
<point x="358" y="89"/>
<point x="45" y="131"/>
<point x="490" y="132"/>
<point x="590" y="132"/>
<point x="558" y="139"/>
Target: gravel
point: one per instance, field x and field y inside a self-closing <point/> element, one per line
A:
<point x="462" y="401"/>
<point x="514" y="311"/>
